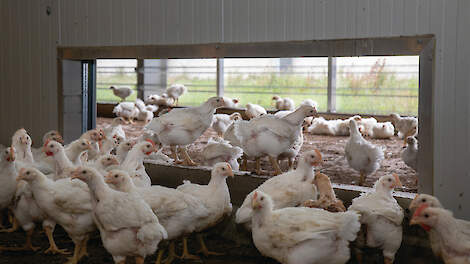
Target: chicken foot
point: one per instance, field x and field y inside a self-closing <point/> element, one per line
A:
<point x="244" y="166"/>
<point x="83" y="249"/>
<point x="171" y="254"/>
<point x="277" y="169"/>
<point x="204" y="249"/>
<point x="53" y="249"/>
<point x="187" y="159"/>
<point x="186" y="254"/>
<point x="362" y="179"/>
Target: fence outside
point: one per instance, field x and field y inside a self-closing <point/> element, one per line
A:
<point x="368" y="85"/>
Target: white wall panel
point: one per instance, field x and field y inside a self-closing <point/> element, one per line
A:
<point x="28" y="60"/>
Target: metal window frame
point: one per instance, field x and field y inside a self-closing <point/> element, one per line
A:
<point x="423" y="45"/>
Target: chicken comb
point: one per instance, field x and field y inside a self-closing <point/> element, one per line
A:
<point x="151" y="141"/>
<point x="397" y="179"/>
<point x="420" y="210"/>
<point x="47" y="142"/>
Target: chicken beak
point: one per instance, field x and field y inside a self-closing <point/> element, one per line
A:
<point x="413" y="203"/>
<point x="75" y="174"/>
<point x="413" y="221"/>
<point x="60" y="139"/>
<point x="319" y="159"/>
<point x="21" y="174"/>
<point x="254" y="201"/>
<point x="397" y="181"/>
<point x="108" y="178"/>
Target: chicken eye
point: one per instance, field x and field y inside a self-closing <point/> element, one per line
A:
<point x="423" y="200"/>
<point x="217" y="100"/>
<point x="115" y="176"/>
<point x="83" y="144"/>
<point x="223" y="169"/>
<point x="108" y="159"/>
<point x="311" y="156"/>
<point x="262" y="198"/>
<point x="426" y="215"/>
<point x="84" y="171"/>
<point x="27" y="173"/>
<point x="52" y="146"/>
<point x="389" y="180"/>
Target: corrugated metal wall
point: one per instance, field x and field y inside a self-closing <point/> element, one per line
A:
<point x="28" y="60"/>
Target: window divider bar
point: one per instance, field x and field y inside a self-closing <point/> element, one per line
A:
<point x="331" y="89"/>
<point x="220" y="77"/>
<point x="140" y="79"/>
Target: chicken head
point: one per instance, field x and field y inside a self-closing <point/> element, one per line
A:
<point x="222" y="169"/>
<point x="9" y="154"/>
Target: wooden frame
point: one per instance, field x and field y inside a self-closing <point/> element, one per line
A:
<point x="423" y="46"/>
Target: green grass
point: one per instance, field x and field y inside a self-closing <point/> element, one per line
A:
<point x="366" y="93"/>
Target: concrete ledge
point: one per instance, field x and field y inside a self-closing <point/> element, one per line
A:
<point x="245" y="182"/>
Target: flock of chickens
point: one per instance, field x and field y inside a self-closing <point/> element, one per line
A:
<point x="99" y="182"/>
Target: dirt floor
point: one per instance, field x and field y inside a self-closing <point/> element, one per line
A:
<point x="332" y="149"/>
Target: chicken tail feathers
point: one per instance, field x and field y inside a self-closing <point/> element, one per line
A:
<point x="350" y="225"/>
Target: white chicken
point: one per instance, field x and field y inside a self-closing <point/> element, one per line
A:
<point x="218" y="150"/>
<point x="291" y="153"/>
<point x="121" y="92"/>
<point x="410" y="154"/>
<point x="160" y="100"/>
<point x="342" y="126"/>
<point x="383" y="130"/>
<point x="286" y="190"/>
<point x="181" y="127"/>
<point x="362" y="155"/>
<point x="368" y="125"/>
<point x="94" y="136"/>
<point x="127" y="110"/>
<point x="115" y="128"/>
<point x="437" y="244"/>
<point x="104" y="163"/>
<point x="254" y="110"/>
<point x="66" y="202"/>
<point x="75" y="149"/>
<point x="63" y="165"/>
<point x="38" y="154"/>
<point x="108" y="145"/>
<point x="406" y="126"/>
<point x="144" y="114"/>
<point x="283" y="103"/>
<point x="310" y="102"/>
<point x="454" y="236"/>
<point x="231" y="102"/>
<point x="175" y="91"/>
<point x="123" y="149"/>
<point x="382" y="217"/>
<point x="134" y="162"/>
<point x="215" y="196"/>
<point x="320" y="126"/>
<point x="8" y="182"/>
<point x="300" y="235"/>
<point x="178" y="212"/>
<point x="270" y="135"/>
<point x="127" y="224"/>
<point x="221" y="122"/>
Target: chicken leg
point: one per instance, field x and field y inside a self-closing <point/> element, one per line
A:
<point x="159" y="256"/>
<point x="388" y="260"/>
<point x="258" y="166"/>
<point x="171" y="254"/>
<point x="186" y="254"/>
<point x="291" y="162"/>
<point x="83" y="249"/>
<point x="28" y="246"/>
<point x="244" y="166"/>
<point x="12" y="229"/>
<point x="277" y="169"/>
<point x="187" y="159"/>
<point x="53" y="249"/>
<point x="174" y="154"/>
<point x="76" y="253"/>
<point x="362" y="179"/>
<point x="204" y="249"/>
